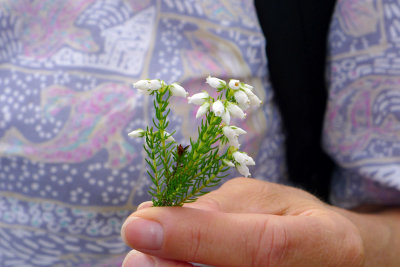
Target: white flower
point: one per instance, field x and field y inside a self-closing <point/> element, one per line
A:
<point x="137" y="133"/>
<point x="234" y="84"/>
<point x="169" y="138"/>
<point x="242" y="99"/>
<point x="202" y="109"/>
<point x="242" y="161"/>
<point x="147" y="86"/>
<point x="254" y="100"/>
<point x="235" y="111"/>
<point x="228" y="163"/>
<point x="247" y="86"/>
<point x="243" y="170"/>
<point x="199" y="98"/>
<point x="215" y="82"/>
<point x="218" y="108"/>
<point x="243" y="158"/>
<point x="177" y="90"/>
<point x="155" y="85"/>
<point x="226" y="117"/>
<point x="232" y="133"/>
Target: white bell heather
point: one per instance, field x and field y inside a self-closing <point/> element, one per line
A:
<point x="218" y="108"/>
<point x="234" y="84"/>
<point x="199" y="98"/>
<point x="254" y="100"/>
<point x="226" y="117"/>
<point x="243" y="170"/>
<point x="246" y="86"/>
<point x="202" y="110"/>
<point x="243" y="158"/>
<point x="228" y="163"/>
<point x="177" y="90"/>
<point x="215" y="82"/>
<point x="232" y="133"/>
<point x="242" y="99"/>
<point x="235" y="111"/>
<point x="137" y="133"/>
<point x="169" y="138"/>
<point x="147" y="86"/>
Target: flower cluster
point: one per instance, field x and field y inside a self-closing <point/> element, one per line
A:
<point x="239" y="97"/>
<point x="180" y="174"/>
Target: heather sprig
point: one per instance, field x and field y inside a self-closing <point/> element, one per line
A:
<point x="180" y="174"/>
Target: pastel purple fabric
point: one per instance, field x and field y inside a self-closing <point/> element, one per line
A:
<point x="69" y="174"/>
<point x="362" y="122"/>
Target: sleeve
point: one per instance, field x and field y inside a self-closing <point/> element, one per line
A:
<point x="362" y="122"/>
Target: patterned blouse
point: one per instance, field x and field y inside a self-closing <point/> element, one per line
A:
<point x="69" y="174"/>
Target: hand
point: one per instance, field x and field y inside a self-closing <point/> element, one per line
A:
<point x="245" y="223"/>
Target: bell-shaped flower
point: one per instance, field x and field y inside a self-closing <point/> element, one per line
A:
<point x="137" y="133"/>
<point x="234" y="84"/>
<point x="215" y="82"/>
<point x="243" y="158"/>
<point x="243" y="170"/>
<point x="199" y="98"/>
<point x="202" y="110"/>
<point x="228" y="163"/>
<point x="232" y="133"/>
<point x="247" y="86"/>
<point x="147" y="86"/>
<point x="226" y="117"/>
<point x="242" y="99"/>
<point x="235" y="111"/>
<point x="254" y="100"/>
<point x="177" y="90"/>
<point x="169" y="137"/>
<point x="218" y="108"/>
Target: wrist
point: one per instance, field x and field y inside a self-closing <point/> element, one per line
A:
<point x="380" y="233"/>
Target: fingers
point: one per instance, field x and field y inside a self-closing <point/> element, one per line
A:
<point x="194" y="235"/>
<point x="229" y="239"/>
<point x="138" y="259"/>
<point x="244" y="195"/>
<point x="144" y="205"/>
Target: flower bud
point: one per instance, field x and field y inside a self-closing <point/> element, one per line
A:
<point x="243" y="170"/>
<point x="215" y="82"/>
<point x="243" y="158"/>
<point x="234" y="84"/>
<point x="202" y="110"/>
<point x="199" y="98"/>
<point x="169" y="138"/>
<point x="232" y="133"/>
<point x="226" y="117"/>
<point x="218" y="108"/>
<point x="235" y="111"/>
<point x="228" y="163"/>
<point x="147" y="86"/>
<point x="254" y="100"/>
<point x="177" y="90"/>
<point x="242" y="99"/>
<point x="137" y="133"/>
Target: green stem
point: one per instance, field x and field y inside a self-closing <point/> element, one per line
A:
<point x="201" y="187"/>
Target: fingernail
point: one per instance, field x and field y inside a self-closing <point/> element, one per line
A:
<point x="145" y="205"/>
<point x="138" y="259"/>
<point x="142" y="234"/>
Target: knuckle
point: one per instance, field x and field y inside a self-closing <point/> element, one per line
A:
<point x="271" y="246"/>
<point x="353" y="249"/>
<point x="195" y="243"/>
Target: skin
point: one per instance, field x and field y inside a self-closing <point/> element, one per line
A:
<point x="248" y="222"/>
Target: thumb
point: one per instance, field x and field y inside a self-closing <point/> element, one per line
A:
<point x="209" y="237"/>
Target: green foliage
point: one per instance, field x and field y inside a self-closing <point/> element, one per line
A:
<point x="182" y="174"/>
